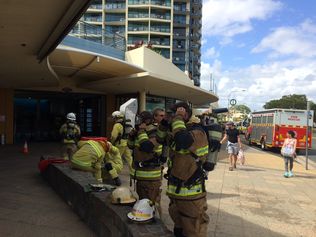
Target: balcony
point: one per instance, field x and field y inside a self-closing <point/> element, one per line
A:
<point x="137" y="15"/>
<point x="160" y="42"/>
<point x="178" y="60"/>
<point x="97" y="35"/>
<point x="160" y="3"/>
<point x="115" y="7"/>
<point x="137" y="28"/>
<point x="138" y="2"/>
<point x="95" y="7"/>
<point x="160" y="29"/>
<point x="160" y="16"/>
<point x="92" y="19"/>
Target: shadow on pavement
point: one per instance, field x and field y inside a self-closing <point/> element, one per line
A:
<point x="250" y="169"/>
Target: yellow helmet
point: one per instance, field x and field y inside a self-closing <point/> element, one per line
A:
<point x="122" y="195"/>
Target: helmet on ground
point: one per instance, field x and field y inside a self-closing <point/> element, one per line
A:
<point x="143" y="210"/>
<point x="117" y="114"/>
<point x="122" y="195"/>
<point x="71" y="116"/>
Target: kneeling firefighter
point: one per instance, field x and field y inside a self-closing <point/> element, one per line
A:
<point x="147" y="163"/>
<point x="97" y="155"/>
<point x="186" y="177"/>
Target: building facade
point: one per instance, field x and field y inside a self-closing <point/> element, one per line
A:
<point x="171" y="27"/>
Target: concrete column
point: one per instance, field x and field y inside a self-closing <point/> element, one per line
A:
<point x="110" y="108"/>
<point x="142" y="101"/>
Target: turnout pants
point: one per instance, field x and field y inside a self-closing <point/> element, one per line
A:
<point x="151" y="190"/>
<point x="126" y="154"/>
<point x="190" y="216"/>
<point x="67" y="150"/>
<point x="95" y="169"/>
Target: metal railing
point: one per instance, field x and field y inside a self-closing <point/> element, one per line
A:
<point x="96" y="34"/>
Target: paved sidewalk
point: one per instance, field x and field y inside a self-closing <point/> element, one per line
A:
<point x="256" y="200"/>
<point x="29" y="206"/>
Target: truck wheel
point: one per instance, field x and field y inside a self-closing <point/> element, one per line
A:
<point x="263" y="145"/>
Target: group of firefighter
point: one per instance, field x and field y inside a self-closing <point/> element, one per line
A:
<point x="188" y="145"/>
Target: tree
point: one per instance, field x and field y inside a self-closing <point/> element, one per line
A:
<point x="291" y="102"/>
<point x="288" y="102"/>
<point x="243" y="108"/>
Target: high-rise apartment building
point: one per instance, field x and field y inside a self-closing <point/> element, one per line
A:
<point x="172" y="27"/>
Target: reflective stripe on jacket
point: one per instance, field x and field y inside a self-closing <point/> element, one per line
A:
<point x="88" y="154"/>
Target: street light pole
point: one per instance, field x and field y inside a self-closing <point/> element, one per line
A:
<point x="307" y="132"/>
<point x="228" y="102"/>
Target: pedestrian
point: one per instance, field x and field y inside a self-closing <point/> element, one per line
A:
<point x="233" y="144"/>
<point x="147" y="161"/>
<point x="186" y="177"/>
<point x="119" y="137"/>
<point x="288" y="152"/>
<point x="70" y="133"/>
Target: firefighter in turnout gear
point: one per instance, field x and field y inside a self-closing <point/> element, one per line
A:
<point x="214" y="134"/>
<point x="70" y="134"/>
<point x="147" y="163"/>
<point x="100" y="158"/>
<point x="186" y="177"/>
<point x="119" y="137"/>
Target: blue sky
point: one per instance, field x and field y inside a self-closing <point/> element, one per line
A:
<point x="258" y="50"/>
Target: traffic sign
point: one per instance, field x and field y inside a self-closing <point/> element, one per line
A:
<point x="233" y="102"/>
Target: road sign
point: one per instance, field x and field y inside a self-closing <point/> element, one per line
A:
<point x="233" y="102"/>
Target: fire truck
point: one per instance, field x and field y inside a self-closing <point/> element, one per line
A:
<point x="268" y="128"/>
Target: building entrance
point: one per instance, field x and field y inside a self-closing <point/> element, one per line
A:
<point x="39" y="115"/>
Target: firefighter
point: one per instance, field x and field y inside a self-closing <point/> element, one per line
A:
<point x="93" y="156"/>
<point x="186" y="179"/>
<point x="147" y="163"/>
<point x="214" y="134"/>
<point x="70" y="133"/>
<point x="119" y="137"/>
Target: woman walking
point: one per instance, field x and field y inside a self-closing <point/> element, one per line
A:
<point x="288" y="152"/>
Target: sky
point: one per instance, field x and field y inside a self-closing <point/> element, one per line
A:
<point x="259" y="50"/>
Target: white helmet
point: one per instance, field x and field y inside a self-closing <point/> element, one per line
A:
<point x="143" y="210"/>
<point x="71" y="116"/>
<point x="117" y="114"/>
<point x="122" y="195"/>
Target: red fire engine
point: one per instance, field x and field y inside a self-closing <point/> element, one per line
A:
<point x="268" y="128"/>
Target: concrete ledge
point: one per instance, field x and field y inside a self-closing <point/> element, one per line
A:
<point x="95" y="208"/>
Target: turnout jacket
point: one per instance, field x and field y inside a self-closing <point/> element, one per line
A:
<point x="188" y="152"/>
<point x="146" y="161"/>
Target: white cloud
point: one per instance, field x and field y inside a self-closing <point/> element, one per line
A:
<point x="231" y="17"/>
<point x="287" y="41"/>
<point x="211" y="53"/>
<point x="266" y="82"/>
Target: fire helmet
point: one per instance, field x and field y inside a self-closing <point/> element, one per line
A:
<point x="143" y="210"/>
<point x="122" y="195"/>
<point x="71" y="116"/>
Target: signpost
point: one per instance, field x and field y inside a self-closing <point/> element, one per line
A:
<point x="307" y="131"/>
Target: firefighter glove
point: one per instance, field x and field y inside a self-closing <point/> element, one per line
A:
<point x="183" y="140"/>
<point x="208" y="166"/>
<point x="146" y="146"/>
<point x="108" y="166"/>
